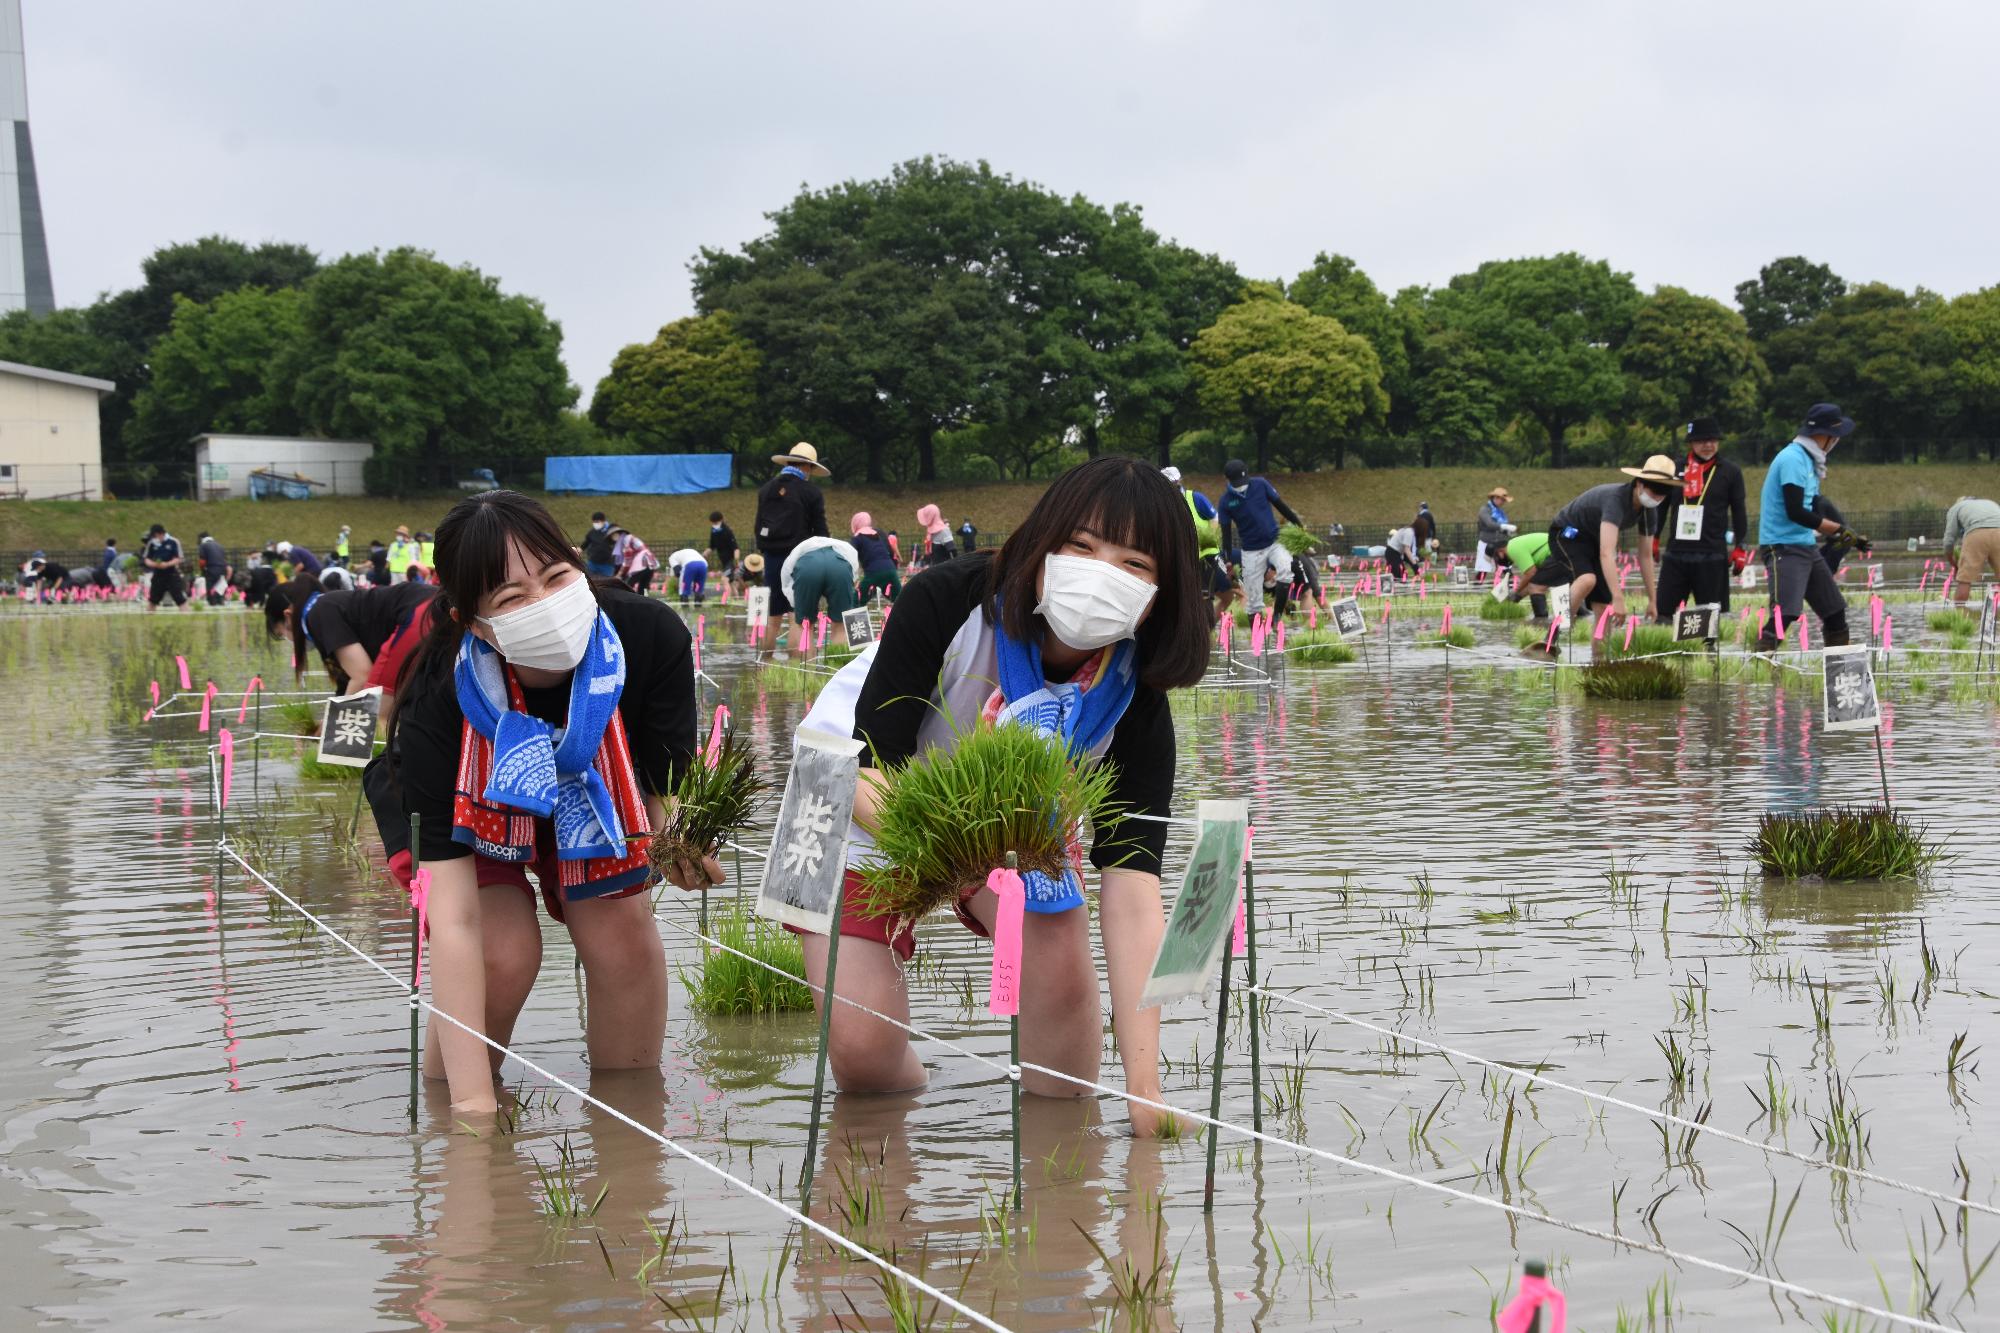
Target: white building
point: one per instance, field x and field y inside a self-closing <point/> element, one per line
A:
<point x="49" y="443"/>
<point x="225" y="464"/>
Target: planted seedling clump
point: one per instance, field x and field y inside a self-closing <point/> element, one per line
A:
<point x="946" y="819"/>
<point x="728" y="983"/>
<point x="1461" y="636"/>
<point x="1841" y="842"/>
<point x="1320" y="647"/>
<point x="711" y="800"/>
<point x="1489" y="609"/>
<point x="1647" y="641"/>
<point x="1645" y="678"/>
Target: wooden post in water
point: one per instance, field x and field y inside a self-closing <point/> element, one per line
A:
<point x="819" y="1064"/>
<point x="1250" y="992"/>
<point x="1215" y="1085"/>
<point x="416" y="946"/>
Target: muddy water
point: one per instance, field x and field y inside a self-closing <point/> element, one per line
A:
<point x="203" y="1107"/>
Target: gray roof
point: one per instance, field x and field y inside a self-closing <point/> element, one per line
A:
<point x="57" y="376"/>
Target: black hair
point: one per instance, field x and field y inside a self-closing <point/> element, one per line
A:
<point x="157" y="530"/>
<point x="597" y="516"/>
<point x="202" y="536"/>
<point x="1126" y="502"/>
<point x="110" y="541"/>
<point x="291" y="596"/>
<point x="715" y="517"/>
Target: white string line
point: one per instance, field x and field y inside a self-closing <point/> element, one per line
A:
<point x="1512" y="1210"/>
<point x="419" y="1002"/>
<point x="1662" y="1116"/>
<point x="1387" y="1172"/>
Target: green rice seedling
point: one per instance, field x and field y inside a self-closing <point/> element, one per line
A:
<point x="562" y="1199"/>
<point x="1844" y="843"/>
<point x="1647" y="641"/>
<point x="1494" y="609"/>
<point x="1679" y="1061"/>
<point x="1140" y="1284"/>
<point x="1531" y="636"/>
<point x="1319" y="647"/>
<point x="1461" y="636"/>
<point x="1840" y="1129"/>
<point x="723" y="983"/>
<point x="1650" y="678"/>
<point x="1953" y="622"/>
<point x="1296" y="539"/>
<point x="946" y="819"/>
<point x="712" y="799"/>
<point x="789" y="678"/>
<point x="1958" y="1060"/>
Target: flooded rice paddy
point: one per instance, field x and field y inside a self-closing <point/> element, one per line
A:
<point x="204" y="1100"/>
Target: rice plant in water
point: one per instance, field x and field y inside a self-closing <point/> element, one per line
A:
<point x="1840" y="842"/>
<point x="712" y="799"/>
<point x="724" y="983"/>
<point x="1648" y="678"/>
<point x="1461" y="636"/>
<point x="1953" y="622"/>
<point x="947" y="818"/>
<point x="1489" y="609"/>
<point x="1319" y="647"/>
<point x="1295" y="539"/>
<point x="1529" y="636"/>
<point x="1647" y="641"/>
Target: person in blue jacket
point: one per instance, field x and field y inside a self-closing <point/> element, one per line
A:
<point x="1245" y="513"/>
<point x="1790" y="521"/>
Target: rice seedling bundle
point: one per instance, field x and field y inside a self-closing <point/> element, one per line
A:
<point x="1319" y="647"/>
<point x="1461" y="636"/>
<point x="946" y="819"/>
<point x="1528" y="636"/>
<point x="728" y="984"/>
<point x="711" y="800"/>
<point x="1647" y="678"/>
<point x="1296" y="539"/>
<point x="1953" y="622"/>
<point x="1489" y="609"/>
<point x="1647" y="640"/>
<point x="1844" y="843"/>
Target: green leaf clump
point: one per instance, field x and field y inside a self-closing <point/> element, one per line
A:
<point x="728" y="984"/>
<point x="1296" y="539"/>
<point x="1844" y="843"/>
<point x="947" y="818"/>
<point x="1644" y="678"/>
<point x="1493" y="609"/>
<point x="710" y="801"/>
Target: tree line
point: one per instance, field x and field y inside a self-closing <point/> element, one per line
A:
<point x="948" y="322"/>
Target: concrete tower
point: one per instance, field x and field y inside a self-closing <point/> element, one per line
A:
<point x="24" y="249"/>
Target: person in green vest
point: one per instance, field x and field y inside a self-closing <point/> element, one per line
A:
<point x="402" y="554"/>
<point x="340" y="546"/>
<point x="1215" y="579"/>
<point x="426" y="551"/>
<point x="1523" y="555"/>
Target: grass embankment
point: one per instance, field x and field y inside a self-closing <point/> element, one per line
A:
<point x="1362" y="499"/>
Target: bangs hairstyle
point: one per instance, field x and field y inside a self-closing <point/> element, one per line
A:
<point x="472" y="546"/>
<point x="292" y="596"/>
<point x="1126" y="502"/>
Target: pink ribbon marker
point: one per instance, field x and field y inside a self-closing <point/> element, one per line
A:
<point x="182" y="663"/>
<point x="155" y="685"/>
<point x="1631" y="623"/>
<point x="207" y="698"/>
<point x="1555" y="628"/>
<point x="1761" y="618"/>
<point x="1281" y="636"/>
<point x="1944" y="593"/>
<point x="1924" y="582"/>
<point x="700" y="628"/>
<point x="1888" y="631"/>
<point x="420" y="903"/>
<point x="1777" y="623"/>
<point x="1003" y="989"/>
<point x="226" y="743"/>
<point x="1874" y="617"/>
<point x="1385" y="610"/>
<point x="1536" y="1293"/>
<point x="1603" y="621"/>
<point x="1444" y="630"/>
<point x="1312" y="616"/>
<point x="243" y="708"/>
<point x="1802" y="634"/>
<point x="715" y="735"/>
<point x="1239" y="935"/>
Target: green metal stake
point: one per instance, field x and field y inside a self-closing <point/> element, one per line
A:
<point x="1014" y="1073"/>
<point x="819" y="1065"/>
<point x="416" y="943"/>
<point x="1215" y="1085"/>
<point x="1250" y="994"/>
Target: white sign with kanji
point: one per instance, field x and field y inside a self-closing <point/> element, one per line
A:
<point x="1849" y="698"/>
<point x="809" y="843"/>
<point x="347" y="733"/>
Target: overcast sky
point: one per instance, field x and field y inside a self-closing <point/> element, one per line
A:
<point x="582" y="150"/>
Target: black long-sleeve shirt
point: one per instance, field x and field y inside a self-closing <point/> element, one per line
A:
<point x="1724" y="509"/>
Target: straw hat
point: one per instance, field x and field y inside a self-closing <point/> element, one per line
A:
<point x="1499" y="493"/>
<point x="803" y="455"/>
<point x="1659" y="470"/>
<point x="753" y="563"/>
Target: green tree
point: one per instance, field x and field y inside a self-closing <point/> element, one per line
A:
<point x="199" y="271"/>
<point x="1272" y="365"/>
<point x="1456" y="403"/>
<point x="1971" y="326"/>
<point x="692" y="389"/>
<point x="430" y="362"/>
<point x="1158" y="397"/>
<point x="1884" y="355"/>
<point x="1786" y="293"/>
<point x="1691" y="356"/>
<point x="1336" y="287"/>
<point x="217" y="368"/>
<point x="1549" y="332"/>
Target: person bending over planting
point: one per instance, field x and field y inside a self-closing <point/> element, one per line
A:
<point x="362" y="637"/>
<point x="1077" y="627"/>
<point x="1583" y="540"/>
<point x="544" y="719"/>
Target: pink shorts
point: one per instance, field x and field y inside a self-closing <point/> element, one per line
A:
<point x="493" y="874"/>
<point x="856" y="924"/>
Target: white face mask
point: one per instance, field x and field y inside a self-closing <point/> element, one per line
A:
<point x="1090" y="603"/>
<point x="550" y="634"/>
<point x="1651" y="500"/>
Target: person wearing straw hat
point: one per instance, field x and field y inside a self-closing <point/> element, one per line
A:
<point x="789" y="510"/>
<point x="1791" y="518"/>
<point x="1583" y="539"/>
<point x="1494" y="530"/>
<point x="1703" y="525"/>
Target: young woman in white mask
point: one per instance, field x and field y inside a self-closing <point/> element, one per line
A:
<point x="1078" y="625"/>
<point x="542" y="722"/>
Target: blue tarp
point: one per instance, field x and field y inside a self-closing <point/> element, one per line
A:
<point x="636" y="474"/>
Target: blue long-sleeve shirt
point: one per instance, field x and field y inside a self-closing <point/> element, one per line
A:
<point x="1249" y="514"/>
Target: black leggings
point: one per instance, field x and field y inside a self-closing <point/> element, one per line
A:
<point x="1700" y="579"/>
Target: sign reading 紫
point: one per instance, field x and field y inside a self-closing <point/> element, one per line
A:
<point x="1347" y="621"/>
<point x="1698" y="622"/>
<point x="1874" y="575"/>
<point x="1559" y="606"/>
<point x="809" y="844"/>
<point x="1461" y="576"/>
<point x="757" y="608"/>
<point x="347" y="733"/>
<point x="1850" y="702"/>
<point x="860" y="626"/>
<point x="1205" y="907"/>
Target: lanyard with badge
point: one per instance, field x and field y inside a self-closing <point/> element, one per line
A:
<point x="1687" y="519"/>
